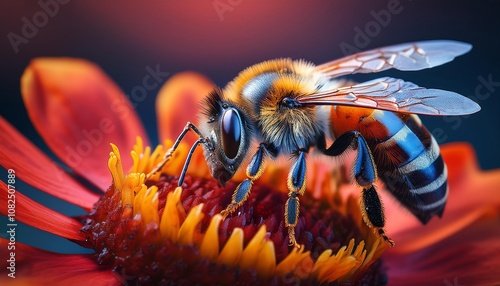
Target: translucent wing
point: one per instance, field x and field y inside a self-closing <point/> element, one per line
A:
<point x="406" y="57"/>
<point x="394" y="95"/>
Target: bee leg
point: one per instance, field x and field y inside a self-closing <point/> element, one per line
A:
<point x="365" y="173"/>
<point x="373" y="212"/>
<point x="188" y="160"/>
<point x="170" y="152"/>
<point x="254" y="171"/>
<point x="296" y="185"/>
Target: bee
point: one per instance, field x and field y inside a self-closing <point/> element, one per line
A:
<point x="291" y="107"/>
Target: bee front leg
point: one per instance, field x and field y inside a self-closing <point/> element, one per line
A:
<point x="170" y="152"/>
<point x="254" y="171"/>
<point x="365" y="173"/>
<point x="296" y="185"/>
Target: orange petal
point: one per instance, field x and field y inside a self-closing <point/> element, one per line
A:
<point x="179" y="102"/>
<point x="474" y="194"/>
<point x="460" y="159"/>
<point x="36" y="169"/>
<point x="37" y="215"/>
<point x="34" y="266"/>
<point x="78" y="111"/>
<point x="469" y="257"/>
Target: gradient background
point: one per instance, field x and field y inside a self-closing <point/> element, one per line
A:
<point x="124" y="38"/>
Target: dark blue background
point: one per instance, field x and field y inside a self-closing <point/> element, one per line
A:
<point x="192" y="35"/>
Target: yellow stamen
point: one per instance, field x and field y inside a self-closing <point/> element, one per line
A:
<point x="266" y="265"/>
<point x="135" y="160"/>
<point x="155" y="157"/>
<point x="249" y="259"/>
<point x="138" y="147"/>
<point x="170" y="221"/>
<point x="331" y="267"/>
<point x="145" y="158"/>
<point x="374" y="254"/>
<point x="210" y="244"/>
<point x="187" y="230"/>
<point x="115" y="167"/>
<point x="298" y="262"/>
<point x="231" y="252"/>
<point x="149" y="206"/>
<point x="139" y="198"/>
<point x="132" y="184"/>
<point x="359" y="254"/>
<point x="128" y="185"/>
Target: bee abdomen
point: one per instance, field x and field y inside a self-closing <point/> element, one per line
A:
<point x="411" y="166"/>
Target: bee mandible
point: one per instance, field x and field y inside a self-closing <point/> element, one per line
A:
<point x="292" y="107"/>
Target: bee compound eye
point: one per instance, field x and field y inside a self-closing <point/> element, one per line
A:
<point x="231" y="133"/>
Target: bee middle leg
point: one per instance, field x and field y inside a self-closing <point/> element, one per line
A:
<point x="365" y="174"/>
<point x="254" y="171"/>
<point x="296" y="185"/>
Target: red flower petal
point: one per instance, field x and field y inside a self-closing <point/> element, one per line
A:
<point x="37" y="215"/>
<point x="460" y="160"/>
<point x="179" y="102"/>
<point x="469" y="257"/>
<point x="36" y="169"/>
<point x="78" y="111"/>
<point x="474" y="194"/>
<point x="34" y="266"/>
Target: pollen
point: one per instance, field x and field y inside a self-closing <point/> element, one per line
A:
<point x="152" y="231"/>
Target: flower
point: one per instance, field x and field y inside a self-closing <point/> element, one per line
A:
<point x="150" y="231"/>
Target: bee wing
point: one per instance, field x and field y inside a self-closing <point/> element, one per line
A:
<point x="396" y="95"/>
<point x="405" y="57"/>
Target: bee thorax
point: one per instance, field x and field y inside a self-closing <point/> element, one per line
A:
<point x="291" y="128"/>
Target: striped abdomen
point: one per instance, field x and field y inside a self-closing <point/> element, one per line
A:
<point x="407" y="158"/>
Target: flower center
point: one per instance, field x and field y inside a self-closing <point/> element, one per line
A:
<point x="154" y="232"/>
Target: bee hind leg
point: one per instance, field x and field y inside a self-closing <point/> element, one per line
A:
<point x="365" y="173"/>
<point x="373" y="212"/>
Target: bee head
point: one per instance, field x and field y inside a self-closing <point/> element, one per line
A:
<point x="227" y="131"/>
